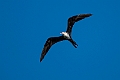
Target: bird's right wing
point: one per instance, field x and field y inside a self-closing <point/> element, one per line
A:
<point x="50" y="41"/>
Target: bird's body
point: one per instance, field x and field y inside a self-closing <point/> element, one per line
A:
<point x="65" y="35"/>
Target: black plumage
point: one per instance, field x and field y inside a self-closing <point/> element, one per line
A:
<point x="52" y="40"/>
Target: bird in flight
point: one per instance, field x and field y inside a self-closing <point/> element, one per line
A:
<point x="64" y="35"/>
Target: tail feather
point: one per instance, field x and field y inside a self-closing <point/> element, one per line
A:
<point x="73" y="43"/>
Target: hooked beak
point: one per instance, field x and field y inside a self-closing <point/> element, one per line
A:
<point x="61" y="33"/>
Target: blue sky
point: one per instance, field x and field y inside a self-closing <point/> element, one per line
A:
<point x="26" y="24"/>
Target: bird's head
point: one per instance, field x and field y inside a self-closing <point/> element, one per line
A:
<point x="62" y="33"/>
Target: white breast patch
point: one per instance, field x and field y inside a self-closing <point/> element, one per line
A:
<point x="67" y="35"/>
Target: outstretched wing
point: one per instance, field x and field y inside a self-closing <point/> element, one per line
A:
<point x="74" y="19"/>
<point x="50" y="41"/>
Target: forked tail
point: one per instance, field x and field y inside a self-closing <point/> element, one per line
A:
<point x="73" y="43"/>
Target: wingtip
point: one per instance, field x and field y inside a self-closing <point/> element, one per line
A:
<point x="90" y="14"/>
<point x="41" y="59"/>
<point x="86" y="15"/>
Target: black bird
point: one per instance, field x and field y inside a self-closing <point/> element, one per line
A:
<point x="65" y="35"/>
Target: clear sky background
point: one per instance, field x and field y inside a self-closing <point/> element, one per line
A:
<point x="25" y="26"/>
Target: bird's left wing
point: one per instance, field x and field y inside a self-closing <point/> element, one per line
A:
<point x="74" y="19"/>
<point x="50" y="41"/>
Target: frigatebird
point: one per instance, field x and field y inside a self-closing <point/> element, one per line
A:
<point x="65" y="35"/>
